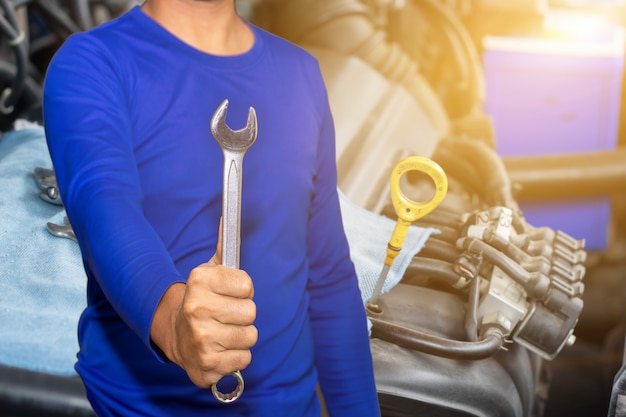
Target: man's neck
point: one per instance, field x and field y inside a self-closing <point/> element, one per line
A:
<point x="211" y="26"/>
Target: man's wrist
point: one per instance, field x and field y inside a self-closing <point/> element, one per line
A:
<point x="163" y="328"/>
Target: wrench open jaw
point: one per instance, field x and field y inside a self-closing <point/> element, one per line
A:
<point x="233" y="140"/>
<point x="234" y="144"/>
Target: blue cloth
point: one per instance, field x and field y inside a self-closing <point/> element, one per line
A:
<point x="368" y="234"/>
<point x="127" y="108"/>
<point x="42" y="281"/>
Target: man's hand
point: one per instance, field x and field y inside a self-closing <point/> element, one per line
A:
<point x="206" y="326"/>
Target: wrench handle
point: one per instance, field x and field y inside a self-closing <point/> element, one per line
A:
<point x="231" y="239"/>
<point x="231" y="208"/>
<point x="234" y="144"/>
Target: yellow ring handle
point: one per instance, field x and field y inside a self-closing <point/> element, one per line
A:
<point x="409" y="210"/>
<point x="406" y="208"/>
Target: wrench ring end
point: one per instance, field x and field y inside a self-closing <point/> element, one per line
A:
<point x="232" y="396"/>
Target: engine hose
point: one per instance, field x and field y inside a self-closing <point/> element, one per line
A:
<point x="59" y="18"/>
<point x="11" y="28"/>
<point x="529" y="263"/>
<point x="447" y="234"/>
<point x="346" y="26"/>
<point x="439" y="216"/>
<point x="470" y="66"/>
<point x="80" y="12"/>
<point x="420" y="341"/>
<point x="457" y="166"/>
<point x="471" y="317"/>
<point x="439" y="249"/>
<point x="421" y="270"/>
<point x="536" y="284"/>
<point x="497" y="186"/>
<point x="9" y="13"/>
<point x="19" y="3"/>
<point x="444" y="218"/>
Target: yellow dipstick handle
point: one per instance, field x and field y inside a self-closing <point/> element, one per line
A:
<point x="409" y="210"/>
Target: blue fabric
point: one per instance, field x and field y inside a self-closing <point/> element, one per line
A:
<point x="42" y="281"/>
<point x="127" y="109"/>
<point x="368" y="234"/>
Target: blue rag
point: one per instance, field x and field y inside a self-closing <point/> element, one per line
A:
<point x="368" y="234"/>
<point x="42" y="281"/>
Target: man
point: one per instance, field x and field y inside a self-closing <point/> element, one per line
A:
<point x="127" y="108"/>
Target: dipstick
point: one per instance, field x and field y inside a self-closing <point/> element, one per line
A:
<point x="408" y="211"/>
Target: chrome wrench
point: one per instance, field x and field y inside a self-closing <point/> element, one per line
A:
<point x="234" y="144"/>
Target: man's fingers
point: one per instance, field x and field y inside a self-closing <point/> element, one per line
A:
<point x="234" y="360"/>
<point x="239" y="338"/>
<point x="215" y="323"/>
<point x="221" y="309"/>
<point x="221" y="280"/>
<point x="235" y="311"/>
<point x="221" y="366"/>
<point x="218" y="338"/>
<point x="219" y="350"/>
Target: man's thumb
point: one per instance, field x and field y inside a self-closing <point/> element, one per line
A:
<point x="217" y="257"/>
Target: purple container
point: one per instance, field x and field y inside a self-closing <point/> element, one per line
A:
<point x="556" y="96"/>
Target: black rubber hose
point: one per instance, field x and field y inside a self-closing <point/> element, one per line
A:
<point x="528" y="262"/>
<point x="470" y="63"/>
<point x="6" y="28"/>
<point x="10" y="27"/>
<point x="438" y="216"/>
<point x="9" y="13"/>
<point x="471" y="317"/>
<point x="444" y="218"/>
<point x="435" y="345"/>
<point x="497" y="188"/>
<point x="81" y="13"/>
<point x="447" y="234"/>
<point x="19" y="3"/>
<point x="536" y="284"/>
<point x="422" y="270"/>
<point x="457" y="166"/>
<point x="59" y="18"/>
<point x="17" y="88"/>
<point x="439" y="249"/>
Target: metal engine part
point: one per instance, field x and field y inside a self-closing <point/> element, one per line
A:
<point x="537" y="297"/>
<point x="489" y="299"/>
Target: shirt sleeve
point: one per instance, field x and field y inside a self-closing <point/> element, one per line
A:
<point x="89" y="137"/>
<point x="343" y="355"/>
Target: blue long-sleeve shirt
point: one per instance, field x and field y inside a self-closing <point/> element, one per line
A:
<point x="127" y="110"/>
